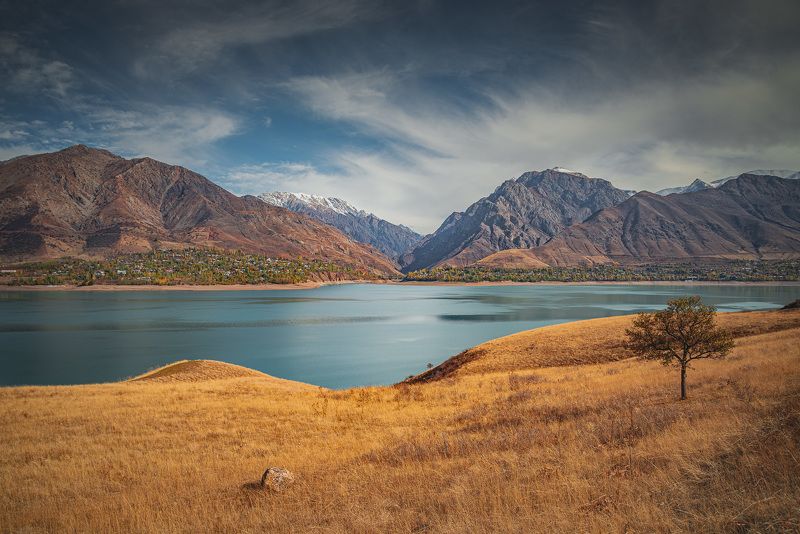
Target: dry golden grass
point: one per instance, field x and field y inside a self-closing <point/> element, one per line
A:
<point x="492" y="447"/>
<point x="581" y="342"/>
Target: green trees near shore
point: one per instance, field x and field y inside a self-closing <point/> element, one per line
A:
<point x="175" y="267"/>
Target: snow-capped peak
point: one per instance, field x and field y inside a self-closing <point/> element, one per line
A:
<point x="287" y="200"/>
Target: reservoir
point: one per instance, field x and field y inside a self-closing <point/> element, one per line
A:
<point x="334" y="336"/>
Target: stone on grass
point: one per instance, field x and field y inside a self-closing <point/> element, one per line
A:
<point x="277" y="479"/>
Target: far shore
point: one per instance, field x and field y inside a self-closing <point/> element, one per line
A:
<point x="314" y="285"/>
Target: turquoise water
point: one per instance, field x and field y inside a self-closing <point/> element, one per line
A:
<point x="336" y="336"/>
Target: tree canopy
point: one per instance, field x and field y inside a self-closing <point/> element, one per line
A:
<point x="683" y="332"/>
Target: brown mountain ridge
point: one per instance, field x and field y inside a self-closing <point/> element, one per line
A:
<point x="89" y="202"/>
<point x="520" y="213"/>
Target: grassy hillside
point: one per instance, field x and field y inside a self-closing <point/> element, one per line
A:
<point x="552" y="429"/>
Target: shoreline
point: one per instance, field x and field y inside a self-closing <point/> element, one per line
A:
<point x="315" y="285"/>
<point x="608" y="283"/>
<point x="184" y="287"/>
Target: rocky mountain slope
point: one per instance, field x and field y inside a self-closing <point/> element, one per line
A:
<point x="88" y="202"/>
<point x="521" y="213"/>
<point x="750" y="217"/>
<point x="391" y="239"/>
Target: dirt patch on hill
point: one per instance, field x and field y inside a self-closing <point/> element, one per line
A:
<point x="198" y="371"/>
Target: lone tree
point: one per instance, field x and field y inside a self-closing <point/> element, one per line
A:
<point x="683" y="332"/>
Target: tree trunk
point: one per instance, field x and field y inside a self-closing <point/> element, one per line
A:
<point x="683" y="381"/>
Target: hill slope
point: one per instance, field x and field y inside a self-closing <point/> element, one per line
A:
<point x="390" y="239"/>
<point x="751" y="217"/>
<point x="521" y="213"/>
<point x="90" y="202"/>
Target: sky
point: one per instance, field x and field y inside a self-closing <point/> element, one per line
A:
<point x="409" y="109"/>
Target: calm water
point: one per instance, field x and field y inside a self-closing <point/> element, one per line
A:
<point x="335" y="336"/>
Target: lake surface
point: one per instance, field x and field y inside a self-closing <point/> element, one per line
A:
<point x="335" y="336"/>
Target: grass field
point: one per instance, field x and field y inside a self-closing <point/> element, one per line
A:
<point x="554" y="429"/>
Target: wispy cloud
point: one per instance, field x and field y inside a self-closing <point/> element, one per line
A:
<point x="170" y="133"/>
<point x="175" y="133"/>
<point x="25" y="70"/>
<point x="180" y="135"/>
<point x="259" y="178"/>
<point x="202" y="41"/>
<point x="13" y="131"/>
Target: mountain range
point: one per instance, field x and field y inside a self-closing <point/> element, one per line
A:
<point x="749" y="217"/>
<point x="521" y="213"/>
<point x="88" y="202"/>
<point x="84" y="201"/>
<point x="699" y="185"/>
<point x="390" y="239"/>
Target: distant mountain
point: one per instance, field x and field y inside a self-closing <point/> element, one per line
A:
<point x="391" y="239"/>
<point x="749" y="217"/>
<point x="521" y="213"/>
<point x="88" y="202"/>
<point x="780" y="173"/>
<point x="699" y="185"/>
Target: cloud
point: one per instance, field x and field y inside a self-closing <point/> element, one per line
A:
<point x="199" y="42"/>
<point x="183" y="134"/>
<point x="12" y="151"/>
<point x="13" y="131"/>
<point x="25" y="70"/>
<point x="265" y="177"/>
<point x="174" y="134"/>
<point x="650" y="135"/>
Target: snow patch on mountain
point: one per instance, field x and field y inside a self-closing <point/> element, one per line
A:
<point x="562" y="170"/>
<point x="288" y="200"/>
<point x="565" y="171"/>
